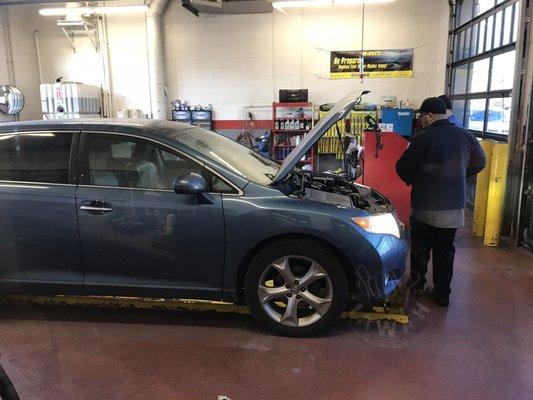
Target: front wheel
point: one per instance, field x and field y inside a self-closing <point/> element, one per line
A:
<point x="296" y="287"/>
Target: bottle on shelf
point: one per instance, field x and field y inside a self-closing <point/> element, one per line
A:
<point x="276" y="125"/>
<point x="302" y="124"/>
<point x="282" y="125"/>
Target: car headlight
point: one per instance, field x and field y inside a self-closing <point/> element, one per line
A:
<point x="381" y="223"/>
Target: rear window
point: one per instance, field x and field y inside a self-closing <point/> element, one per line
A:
<point x="35" y="157"/>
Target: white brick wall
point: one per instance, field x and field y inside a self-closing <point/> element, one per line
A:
<point x="127" y="41"/>
<point x="128" y="62"/>
<point x="236" y="60"/>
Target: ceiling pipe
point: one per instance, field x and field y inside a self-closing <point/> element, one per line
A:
<point x="156" y="68"/>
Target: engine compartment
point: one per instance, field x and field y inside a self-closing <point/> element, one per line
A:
<point x="334" y="189"/>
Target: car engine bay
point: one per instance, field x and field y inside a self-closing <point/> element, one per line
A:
<point x="333" y="188"/>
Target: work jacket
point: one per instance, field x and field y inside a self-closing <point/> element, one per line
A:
<point x="437" y="163"/>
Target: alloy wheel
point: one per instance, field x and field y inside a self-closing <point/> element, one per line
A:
<point x="295" y="291"/>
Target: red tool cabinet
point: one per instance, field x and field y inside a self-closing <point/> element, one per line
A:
<point x="379" y="170"/>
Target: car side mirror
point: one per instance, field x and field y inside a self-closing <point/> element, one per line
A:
<point x="195" y="184"/>
<point x="191" y="183"/>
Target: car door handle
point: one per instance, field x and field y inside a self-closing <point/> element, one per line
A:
<point x="99" y="209"/>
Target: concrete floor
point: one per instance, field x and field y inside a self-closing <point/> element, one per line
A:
<point x="479" y="348"/>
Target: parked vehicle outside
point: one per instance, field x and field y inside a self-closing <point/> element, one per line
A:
<point x="163" y="209"/>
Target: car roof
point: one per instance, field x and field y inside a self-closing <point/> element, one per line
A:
<point x="143" y="127"/>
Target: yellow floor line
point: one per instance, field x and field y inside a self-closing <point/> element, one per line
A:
<point x="397" y="314"/>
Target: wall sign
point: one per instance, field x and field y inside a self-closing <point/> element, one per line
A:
<point x="377" y="64"/>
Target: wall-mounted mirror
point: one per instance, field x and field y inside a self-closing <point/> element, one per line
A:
<point x="11" y="100"/>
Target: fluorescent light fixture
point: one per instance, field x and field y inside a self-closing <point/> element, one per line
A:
<point x="93" y="10"/>
<point x="323" y="3"/>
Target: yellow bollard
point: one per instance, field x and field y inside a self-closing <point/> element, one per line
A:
<point x="482" y="191"/>
<point x="498" y="177"/>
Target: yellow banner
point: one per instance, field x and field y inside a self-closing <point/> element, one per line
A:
<point x="376" y="64"/>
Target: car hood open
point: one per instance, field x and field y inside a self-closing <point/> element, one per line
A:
<point x="338" y="112"/>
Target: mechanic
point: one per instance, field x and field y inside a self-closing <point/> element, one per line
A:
<point x="449" y="112"/>
<point x="436" y="164"/>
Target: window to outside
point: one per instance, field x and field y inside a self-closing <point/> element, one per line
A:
<point x="35" y="157"/>
<point x="479" y="76"/>
<point x="483" y="63"/>
<point x="503" y="71"/>
<point x="118" y="161"/>
<point x="475" y="116"/>
<point x="480" y="6"/>
<point x="458" y="107"/>
<point x="499" y="117"/>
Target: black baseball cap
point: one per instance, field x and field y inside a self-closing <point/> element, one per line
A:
<point x="432" y="105"/>
<point x="446" y="101"/>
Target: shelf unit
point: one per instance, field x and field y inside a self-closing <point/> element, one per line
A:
<point x="284" y="139"/>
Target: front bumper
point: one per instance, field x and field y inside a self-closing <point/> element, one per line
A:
<point x="379" y="266"/>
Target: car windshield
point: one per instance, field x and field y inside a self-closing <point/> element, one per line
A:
<point x="232" y="155"/>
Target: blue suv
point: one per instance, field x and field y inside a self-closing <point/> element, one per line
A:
<point x="162" y="209"/>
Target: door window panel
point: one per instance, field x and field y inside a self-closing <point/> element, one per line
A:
<point x="119" y="161"/>
<point x="468" y="46"/>
<point x="481" y="6"/>
<point x="481" y="41"/>
<point x="465" y="13"/>
<point x="490" y="26"/>
<point x="460" y="46"/>
<point x="516" y="19"/>
<point x="503" y="71"/>
<point x="498" y="30"/>
<point x="459" y="83"/>
<point x="479" y="76"/>
<point x="481" y="87"/>
<point x="475" y="117"/>
<point x="35" y="157"/>
<point x="458" y="107"/>
<point x="475" y="39"/>
<point x="508" y="25"/>
<point x="499" y="116"/>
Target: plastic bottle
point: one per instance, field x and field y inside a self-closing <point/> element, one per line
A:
<point x="282" y="125"/>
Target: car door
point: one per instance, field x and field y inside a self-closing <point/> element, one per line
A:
<point x="137" y="235"/>
<point x="39" y="242"/>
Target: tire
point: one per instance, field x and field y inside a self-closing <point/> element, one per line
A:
<point x="306" y="306"/>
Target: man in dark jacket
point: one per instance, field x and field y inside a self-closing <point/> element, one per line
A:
<point x="439" y="159"/>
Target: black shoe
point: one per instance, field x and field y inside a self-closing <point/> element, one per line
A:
<point x="440" y="301"/>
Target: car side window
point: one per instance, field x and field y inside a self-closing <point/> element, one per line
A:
<point x="217" y="185"/>
<point x="35" y="157"/>
<point x="122" y="161"/>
